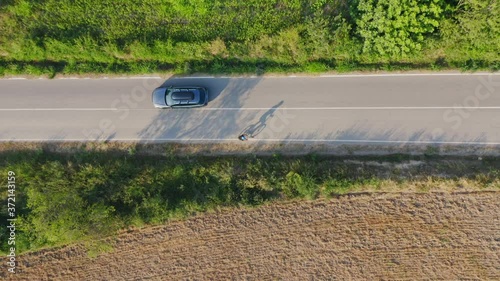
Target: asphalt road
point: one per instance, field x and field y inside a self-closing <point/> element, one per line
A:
<point x="350" y="109"/>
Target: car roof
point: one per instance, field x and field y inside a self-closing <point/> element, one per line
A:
<point x="183" y="95"/>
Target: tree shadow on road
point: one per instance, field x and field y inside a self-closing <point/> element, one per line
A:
<point x="360" y="137"/>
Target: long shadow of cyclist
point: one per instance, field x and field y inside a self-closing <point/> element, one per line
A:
<point x="254" y="129"/>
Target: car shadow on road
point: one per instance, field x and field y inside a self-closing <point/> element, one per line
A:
<point x="219" y="120"/>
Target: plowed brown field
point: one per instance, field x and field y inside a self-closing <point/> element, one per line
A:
<point x="372" y="236"/>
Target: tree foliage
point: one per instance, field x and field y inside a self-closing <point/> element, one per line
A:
<point x="396" y="28"/>
<point x="479" y="23"/>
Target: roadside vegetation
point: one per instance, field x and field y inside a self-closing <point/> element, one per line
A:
<point x="47" y="37"/>
<point x="82" y="196"/>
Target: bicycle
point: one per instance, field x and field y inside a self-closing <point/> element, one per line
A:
<point x="244" y="137"/>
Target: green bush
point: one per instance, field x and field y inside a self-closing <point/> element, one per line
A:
<point x="296" y="185"/>
<point x="473" y="33"/>
<point x="396" y="28"/>
<point x="56" y="211"/>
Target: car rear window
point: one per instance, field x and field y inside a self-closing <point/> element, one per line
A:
<point x="183" y="95"/>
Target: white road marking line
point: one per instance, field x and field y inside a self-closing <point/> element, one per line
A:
<point x="406" y="74"/>
<point x="198" y="77"/>
<point x="85" y="78"/>
<point x="276" y="76"/>
<point x="262" y="108"/>
<point x="343" y="75"/>
<point x="381" y="141"/>
<point x="357" y="108"/>
<point x="59" y="109"/>
<point x="256" y="140"/>
<point x="217" y="77"/>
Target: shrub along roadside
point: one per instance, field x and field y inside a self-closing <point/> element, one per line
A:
<point x="258" y="36"/>
<point x="66" y="198"/>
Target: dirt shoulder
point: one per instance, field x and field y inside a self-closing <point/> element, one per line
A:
<point x="369" y="236"/>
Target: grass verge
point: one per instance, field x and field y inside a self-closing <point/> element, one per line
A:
<point x="88" y="194"/>
<point x="45" y="38"/>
